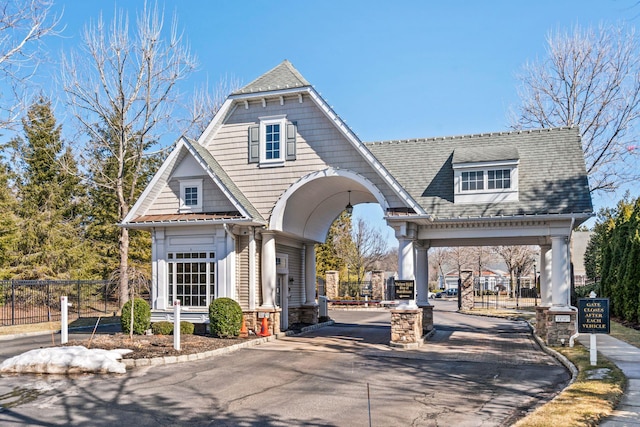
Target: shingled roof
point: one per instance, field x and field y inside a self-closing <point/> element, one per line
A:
<point x="283" y="76"/>
<point x="551" y="172"/>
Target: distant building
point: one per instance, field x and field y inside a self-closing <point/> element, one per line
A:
<point x="579" y="242"/>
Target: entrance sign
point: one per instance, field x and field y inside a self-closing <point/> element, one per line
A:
<point x="404" y="289"/>
<point x="593" y="316"/>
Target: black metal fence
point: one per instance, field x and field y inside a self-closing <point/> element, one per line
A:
<point x="354" y="290"/>
<point x="35" y="301"/>
<point x="525" y="298"/>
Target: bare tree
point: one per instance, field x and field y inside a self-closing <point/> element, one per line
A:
<point x="462" y="259"/>
<point x="439" y="257"/>
<point x="589" y="79"/>
<point x="518" y="259"/>
<point x="122" y="88"/>
<point x="369" y="248"/>
<point x="205" y="103"/>
<point x="23" y="24"/>
<point x="481" y="256"/>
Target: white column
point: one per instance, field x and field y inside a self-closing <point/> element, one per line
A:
<point x="422" y="276"/>
<point x="559" y="273"/>
<point x="406" y="259"/>
<point x="406" y="266"/>
<point x="268" y="270"/>
<point x="545" y="276"/>
<point x="310" y="274"/>
<point x="252" y="269"/>
<point x="159" y="275"/>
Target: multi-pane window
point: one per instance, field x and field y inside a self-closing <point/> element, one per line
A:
<point x="191" y="196"/>
<point x="499" y="179"/>
<point x="472" y="181"/>
<point x="272" y="140"/>
<point x="192" y="278"/>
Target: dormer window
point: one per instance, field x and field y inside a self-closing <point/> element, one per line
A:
<point x="485" y="176"/>
<point x="272" y="142"/>
<point x="191" y="195"/>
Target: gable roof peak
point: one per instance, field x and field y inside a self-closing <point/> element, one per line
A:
<point x="283" y="76"/>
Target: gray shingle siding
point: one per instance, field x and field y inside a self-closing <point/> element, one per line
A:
<point x="551" y="172"/>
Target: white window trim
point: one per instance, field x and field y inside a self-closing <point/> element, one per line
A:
<point x="486" y="195"/>
<point x="184" y="184"/>
<point x="271" y="120"/>
<point x="209" y="260"/>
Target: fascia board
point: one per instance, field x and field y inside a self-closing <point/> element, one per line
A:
<point x="216" y="180"/>
<point x="154" y="181"/>
<point x="220" y="115"/>
<point x="364" y="151"/>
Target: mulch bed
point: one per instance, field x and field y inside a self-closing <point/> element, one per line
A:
<point x="149" y="346"/>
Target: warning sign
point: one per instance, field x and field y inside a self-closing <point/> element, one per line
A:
<point x="593" y="315"/>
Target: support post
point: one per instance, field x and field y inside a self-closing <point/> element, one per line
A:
<point x="64" y="319"/>
<point x="176" y="324"/>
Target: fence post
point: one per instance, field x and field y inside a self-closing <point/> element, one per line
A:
<point x="13" y="302"/>
<point x="78" y="286"/>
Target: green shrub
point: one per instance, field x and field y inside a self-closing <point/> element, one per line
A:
<point x="186" y="328"/>
<point x="225" y="317"/>
<point x="166" y="328"/>
<point x="162" y="328"/>
<point x="141" y="317"/>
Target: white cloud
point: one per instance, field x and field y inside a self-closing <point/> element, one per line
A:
<point x="63" y="360"/>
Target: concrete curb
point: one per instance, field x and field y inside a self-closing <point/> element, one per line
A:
<point x="167" y="360"/>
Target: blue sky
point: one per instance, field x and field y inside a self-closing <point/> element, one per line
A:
<point x="392" y="70"/>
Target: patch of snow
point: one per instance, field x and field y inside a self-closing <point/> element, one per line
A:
<point x="63" y="360"/>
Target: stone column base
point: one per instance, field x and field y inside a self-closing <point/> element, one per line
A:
<point x="307" y="314"/>
<point x="560" y="326"/>
<point x="254" y="321"/>
<point x="406" y="328"/>
<point x="427" y="318"/>
<point x="541" y="321"/>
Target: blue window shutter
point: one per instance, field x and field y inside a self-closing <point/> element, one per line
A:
<point x="254" y="144"/>
<point x="292" y="129"/>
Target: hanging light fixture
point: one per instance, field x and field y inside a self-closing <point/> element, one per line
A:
<point x="349" y="208"/>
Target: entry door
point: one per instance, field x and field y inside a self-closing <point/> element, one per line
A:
<point x="282" y="301"/>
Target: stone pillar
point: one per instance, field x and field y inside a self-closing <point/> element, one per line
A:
<point x="310" y="274"/>
<point x="406" y="328"/>
<point x="332" y="281"/>
<point x="561" y="325"/>
<point x="560" y="284"/>
<point x="541" y="321"/>
<point x="269" y="279"/>
<point x="377" y="285"/>
<point x="427" y="319"/>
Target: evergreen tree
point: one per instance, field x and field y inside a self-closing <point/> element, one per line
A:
<point x="107" y="208"/>
<point x="9" y="228"/>
<point x="51" y="243"/>
<point x="327" y="258"/>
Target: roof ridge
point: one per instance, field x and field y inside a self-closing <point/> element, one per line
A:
<point x="473" y="135"/>
<point x="282" y="76"/>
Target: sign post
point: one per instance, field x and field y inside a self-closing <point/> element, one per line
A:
<point x="593" y="318"/>
<point x="176" y="324"/>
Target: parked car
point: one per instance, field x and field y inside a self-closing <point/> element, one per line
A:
<point x="452" y="292"/>
<point x="431" y="295"/>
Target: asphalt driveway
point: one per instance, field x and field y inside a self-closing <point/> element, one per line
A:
<point x="475" y="371"/>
